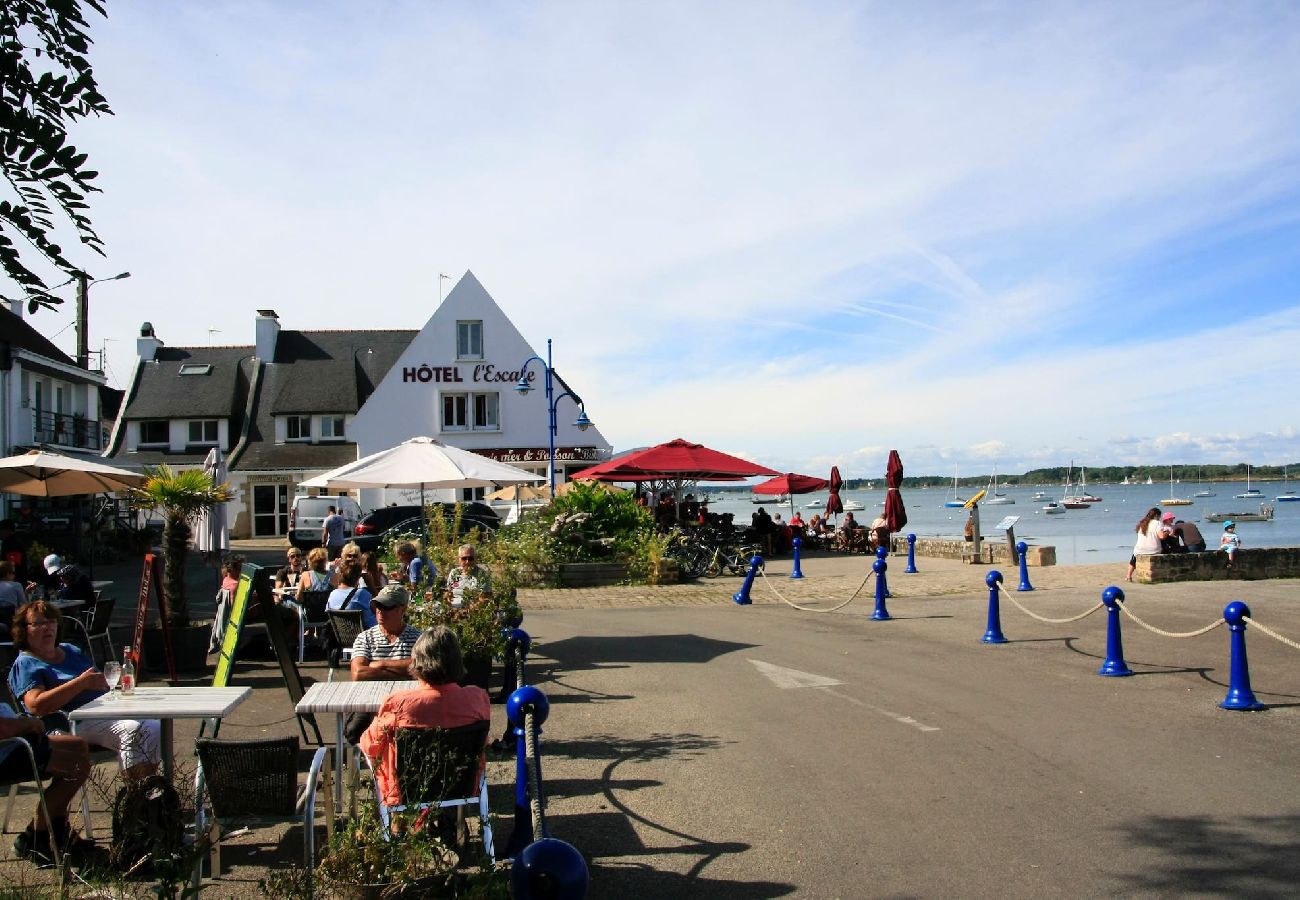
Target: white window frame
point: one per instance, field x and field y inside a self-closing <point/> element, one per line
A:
<point x="469" y="332"/>
<point x="470" y="411"/>
<point x="289" y="424"/>
<point x="203" y="439"/>
<point x="166" y="441"/>
<point x="332" y="428"/>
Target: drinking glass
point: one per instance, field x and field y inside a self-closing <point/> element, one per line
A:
<point x="112" y="674"/>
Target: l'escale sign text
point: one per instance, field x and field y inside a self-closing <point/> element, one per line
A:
<point x="484" y="373"/>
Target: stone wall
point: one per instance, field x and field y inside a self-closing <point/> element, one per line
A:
<point x="1253" y="564"/>
<point x="991" y="552"/>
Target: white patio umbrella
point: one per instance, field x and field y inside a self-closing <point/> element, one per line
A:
<point x="424" y="463"/>
<point x="212" y="530"/>
<point x="39" y="473"/>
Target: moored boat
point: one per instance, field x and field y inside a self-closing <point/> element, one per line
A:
<point x="996" y="497"/>
<point x="1173" y="500"/>
<point x="1249" y="493"/>
<point x="853" y="506"/>
<point x="768" y="498"/>
<point x="1052" y="508"/>
<point x="1265" y="514"/>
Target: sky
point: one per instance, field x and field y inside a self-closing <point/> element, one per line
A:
<point x="984" y="234"/>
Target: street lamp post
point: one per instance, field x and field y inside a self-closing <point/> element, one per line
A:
<point x="523" y="387"/>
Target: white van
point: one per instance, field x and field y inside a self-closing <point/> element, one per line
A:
<point x="307" y="518"/>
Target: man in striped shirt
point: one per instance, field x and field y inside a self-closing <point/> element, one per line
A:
<point x="382" y="653"/>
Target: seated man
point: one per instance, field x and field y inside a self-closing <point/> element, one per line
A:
<point x="436" y="701"/>
<point x="65" y="760"/>
<point x="74" y="584"/>
<point x="468" y="576"/>
<point x="382" y="653"/>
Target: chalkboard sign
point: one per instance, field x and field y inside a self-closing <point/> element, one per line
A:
<point x="150" y="580"/>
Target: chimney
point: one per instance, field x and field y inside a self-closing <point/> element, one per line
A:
<point x="16" y="306"/>
<point x="146" y="345"/>
<point x="268" y="331"/>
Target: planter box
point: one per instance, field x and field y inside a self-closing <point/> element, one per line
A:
<point x="592" y="574"/>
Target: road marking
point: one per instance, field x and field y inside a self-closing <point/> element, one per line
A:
<point x="905" y="720"/>
<point x="792" y="678"/>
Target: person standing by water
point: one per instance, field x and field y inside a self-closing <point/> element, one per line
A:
<point x="1148" y="538"/>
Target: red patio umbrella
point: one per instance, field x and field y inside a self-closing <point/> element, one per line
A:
<point x="791" y="484"/>
<point x="834" y="505"/>
<point x="895" y="514"/>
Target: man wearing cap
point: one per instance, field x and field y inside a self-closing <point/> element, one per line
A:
<point x="1230" y="543"/>
<point x="382" y="653"/>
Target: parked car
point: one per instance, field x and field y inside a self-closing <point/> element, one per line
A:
<point x="380" y="525"/>
<point x="307" y="518"/>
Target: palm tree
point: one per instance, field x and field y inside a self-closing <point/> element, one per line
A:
<point x="180" y="496"/>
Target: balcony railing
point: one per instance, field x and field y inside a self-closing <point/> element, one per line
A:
<point x="67" y="431"/>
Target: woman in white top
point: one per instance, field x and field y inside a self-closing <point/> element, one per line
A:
<point x="1148" y="539"/>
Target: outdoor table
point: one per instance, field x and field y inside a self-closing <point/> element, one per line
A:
<point x="164" y="704"/>
<point x="101" y="585"/>
<point x="341" y="698"/>
<point x="62" y="605"/>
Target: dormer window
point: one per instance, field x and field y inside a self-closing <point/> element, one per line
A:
<point x="469" y="340"/>
<point x="154" y="431"/>
<point x="298" y="428"/>
<point x="331" y="428"/>
<point x="203" y="431"/>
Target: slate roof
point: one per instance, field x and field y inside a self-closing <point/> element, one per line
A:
<point x="17" y="331"/>
<point x="313" y="372"/>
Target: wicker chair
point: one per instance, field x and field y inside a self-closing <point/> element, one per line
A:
<point x="441" y="768"/>
<point x="345" y="625"/>
<point x="311" y="607"/>
<point x="256" y="782"/>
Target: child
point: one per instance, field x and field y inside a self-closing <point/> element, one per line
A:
<point x="1230" y="543"/>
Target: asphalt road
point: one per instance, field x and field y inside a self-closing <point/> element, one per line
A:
<point x="750" y="752"/>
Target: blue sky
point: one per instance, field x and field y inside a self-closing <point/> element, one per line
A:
<point x="804" y="233"/>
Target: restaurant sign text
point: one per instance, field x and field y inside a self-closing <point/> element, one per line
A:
<point x="539" y="454"/>
<point x="479" y="373"/>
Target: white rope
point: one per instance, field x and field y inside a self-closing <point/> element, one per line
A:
<point x="534" y="783"/>
<point x="1172" y="634"/>
<point x="1269" y="632"/>
<point x="768" y="582"/>
<point x="1034" y="615"/>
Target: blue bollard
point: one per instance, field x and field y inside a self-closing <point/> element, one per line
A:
<point x="549" y="869"/>
<point x="1024" y="567"/>
<point x="881" y="553"/>
<point x="796" y="544"/>
<point x="880" y="614"/>
<point x="741" y="597"/>
<point x="1114" y="666"/>
<point x="911" y="555"/>
<point x="993" y="634"/>
<point x="1240" y="696"/>
<point x="516" y="709"/>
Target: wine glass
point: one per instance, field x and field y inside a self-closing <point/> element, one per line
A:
<point x="112" y="674"/>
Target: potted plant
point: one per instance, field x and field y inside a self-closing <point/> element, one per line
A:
<point x="180" y="496"/>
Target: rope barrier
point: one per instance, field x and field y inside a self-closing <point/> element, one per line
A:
<point x="534" y="779"/>
<point x="1171" y="634"/>
<point x="1033" y="615"/>
<point x="1273" y="634"/>
<point x="768" y="582"/>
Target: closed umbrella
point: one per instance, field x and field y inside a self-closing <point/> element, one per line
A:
<point x="895" y="514"/>
<point x="834" y="505"/>
<point x="212" y="531"/>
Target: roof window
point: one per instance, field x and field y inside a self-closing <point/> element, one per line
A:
<point x="196" y="369"/>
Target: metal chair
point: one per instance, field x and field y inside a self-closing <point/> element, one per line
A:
<point x="256" y="782"/>
<point x="311" y="608"/>
<point x="345" y="625"/>
<point x="440" y="768"/>
<point x="24" y="749"/>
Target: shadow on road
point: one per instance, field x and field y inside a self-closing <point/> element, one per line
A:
<point x="591" y="652"/>
<point x="1252" y="856"/>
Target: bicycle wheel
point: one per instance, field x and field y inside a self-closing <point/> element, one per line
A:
<point x="713" y="568"/>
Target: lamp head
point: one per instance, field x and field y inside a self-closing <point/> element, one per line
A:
<point x="523" y="387"/>
<point x="582" y="421"/>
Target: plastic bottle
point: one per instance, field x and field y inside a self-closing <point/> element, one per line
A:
<point x="127" y="684"/>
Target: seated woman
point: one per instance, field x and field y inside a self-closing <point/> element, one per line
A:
<point x="317" y="576"/>
<point x="351" y="552"/>
<point x="438" y="702"/>
<point x="372" y="572"/>
<point x="49" y="677"/>
<point x="351" y="592"/>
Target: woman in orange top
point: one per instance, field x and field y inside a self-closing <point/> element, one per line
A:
<point x="438" y="702"/>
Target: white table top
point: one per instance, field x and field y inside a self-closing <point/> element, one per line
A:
<point x="349" y="696"/>
<point x="101" y="585"/>
<point x="166" y="703"/>
<point x="66" y="604"/>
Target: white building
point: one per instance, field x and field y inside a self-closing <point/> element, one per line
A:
<point x="297" y="403"/>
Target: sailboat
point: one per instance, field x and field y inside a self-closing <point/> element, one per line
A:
<point x="1286" y="495"/>
<point x="996" y="497"/>
<point x="1204" y="492"/>
<point x="1249" y="493"/>
<point x="1081" y="496"/>
<point x="1171" y="500"/>
<point x="955" y="502"/>
<point x="1069" y="500"/>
